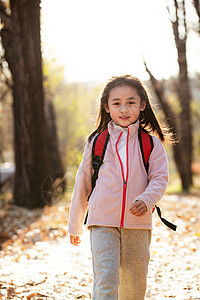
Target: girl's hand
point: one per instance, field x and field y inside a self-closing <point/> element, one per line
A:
<point x="75" y="240"/>
<point x="138" y="208"/>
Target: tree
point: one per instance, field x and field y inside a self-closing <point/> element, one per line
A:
<point x="179" y="123"/>
<point x="20" y="36"/>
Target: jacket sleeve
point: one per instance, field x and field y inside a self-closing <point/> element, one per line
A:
<point x="82" y="190"/>
<point x="158" y="175"/>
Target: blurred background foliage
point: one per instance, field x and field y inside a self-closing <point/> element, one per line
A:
<point x="75" y="106"/>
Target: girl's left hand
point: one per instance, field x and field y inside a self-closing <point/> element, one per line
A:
<point x="138" y="208"/>
<point x="75" y="240"/>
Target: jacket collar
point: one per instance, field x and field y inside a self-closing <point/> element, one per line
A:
<point x="115" y="130"/>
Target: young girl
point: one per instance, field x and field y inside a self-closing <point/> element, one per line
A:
<point x="120" y="206"/>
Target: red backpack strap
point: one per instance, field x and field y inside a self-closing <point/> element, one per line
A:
<point x="98" y="152"/>
<point x="146" y="146"/>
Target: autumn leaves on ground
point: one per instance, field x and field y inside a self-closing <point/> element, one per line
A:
<point x="37" y="261"/>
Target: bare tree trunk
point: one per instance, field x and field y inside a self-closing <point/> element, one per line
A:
<point x="31" y="156"/>
<point x="21" y="41"/>
<point x="171" y="118"/>
<point x="56" y="164"/>
<point x="184" y="94"/>
<point x="183" y="150"/>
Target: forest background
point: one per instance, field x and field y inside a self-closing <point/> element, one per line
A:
<point x="75" y="98"/>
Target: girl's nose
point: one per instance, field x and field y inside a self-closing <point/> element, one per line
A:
<point x="123" y="108"/>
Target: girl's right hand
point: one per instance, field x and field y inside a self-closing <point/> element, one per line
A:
<point x="75" y="240"/>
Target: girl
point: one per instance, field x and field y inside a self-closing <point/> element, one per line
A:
<point x="120" y="206"/>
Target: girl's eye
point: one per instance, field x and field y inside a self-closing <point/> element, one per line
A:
<point x="131" y="102"/>
<point x="116" y="103"/>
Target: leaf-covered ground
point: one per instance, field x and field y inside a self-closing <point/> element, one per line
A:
<point x="37" y="261"/>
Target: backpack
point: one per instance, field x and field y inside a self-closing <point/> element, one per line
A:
<point x="98" y="152"/>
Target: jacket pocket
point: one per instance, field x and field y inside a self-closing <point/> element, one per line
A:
<point x="139" y="220"/>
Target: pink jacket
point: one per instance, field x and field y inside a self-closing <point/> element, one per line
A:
<point x="112" y="197"/>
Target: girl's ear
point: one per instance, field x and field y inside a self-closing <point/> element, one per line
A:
<point x="106" y="108"/>
<point x="142" y="105"/>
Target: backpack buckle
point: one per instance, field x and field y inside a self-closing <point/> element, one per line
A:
<point x="96" y="163"/>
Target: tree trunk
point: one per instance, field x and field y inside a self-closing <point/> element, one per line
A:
<point x="21" y="41"/>
<point x="183" y="150"/>
<point x="183" y="91"/>
<point x="31" y="156"/>
<point x="171" y="118"/>
<point x="184" y="94"/>
<point x="56" y="164"/>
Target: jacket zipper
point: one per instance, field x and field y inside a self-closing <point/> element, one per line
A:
<point x="124" y="180"/>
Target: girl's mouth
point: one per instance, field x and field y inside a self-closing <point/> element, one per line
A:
<point x="124" y="118"/>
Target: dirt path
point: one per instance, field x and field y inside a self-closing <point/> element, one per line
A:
<point x="57" y="270"/>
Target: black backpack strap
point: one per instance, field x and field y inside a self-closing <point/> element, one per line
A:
<point x="167" y="223"/>
<point x="146" y="147"/>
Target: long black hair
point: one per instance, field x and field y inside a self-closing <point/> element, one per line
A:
<point x="147" y="118"/>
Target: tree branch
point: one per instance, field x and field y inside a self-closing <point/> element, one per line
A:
<point x="166" y="108"/>
<point x="184" y="18"/>
<point x="175" y="25"/>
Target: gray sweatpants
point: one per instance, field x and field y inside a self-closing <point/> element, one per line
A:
<point x="120" y="259"/>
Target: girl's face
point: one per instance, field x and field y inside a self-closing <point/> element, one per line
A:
<point x="124" y="105"/>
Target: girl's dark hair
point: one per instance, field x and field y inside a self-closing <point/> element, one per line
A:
<point x="147" y="118"/>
